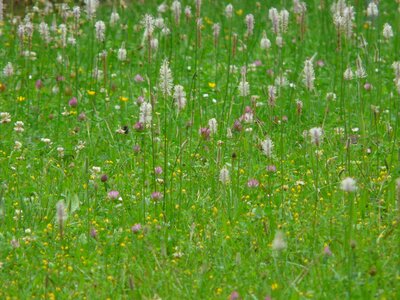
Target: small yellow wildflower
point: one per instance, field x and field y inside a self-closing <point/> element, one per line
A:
<point x="123" y="99"/>
<point x="274" y="286"/>
<point x="91" y="93"/>
<point x="212" y="85"/>
<point x="239" y="12"/>
<point x="208" y="21"/>
<point x="21" y="99"/>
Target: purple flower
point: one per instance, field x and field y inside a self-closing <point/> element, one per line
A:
<point x="234" y="296"/>
<point x="138" y="78"/>
<point x="73" y="102"/>
<point x="136" y="228"/>
<point x="248" y="110"/>
<point x="270" y="72"/>
<point x="158" y="170"/>
<point x="60" y="78"/>
<point x="156" y="195"/>
<point x="257" y="63"/>
<point x="327" y="251"/>
<point x="271" y="168"/>
<point x="138" y="126"/>
<point x="205" y="133"/>
<point x="267" y="298"/>
<point x="237" y="126"/>
<point x="15" y="243"/>
<point x="38" y="84"/>
<point x="104" y="178"/>
<point x="113" y="195"/>
<point x="253" y="183"/>
<point x="82" y="116"/>
<point x="139" y="100"/>
<point x="320" y="63"/>
<point x="136" y="148"/>
<point x="367" y="86"/>
<point x="93" y="233"/>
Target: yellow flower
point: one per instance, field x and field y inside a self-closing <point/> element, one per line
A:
<point x="124" y="99"/>
<point x="239" y="12"/>
<point x="274" y="286"/>
<point x="208" y="21"/>
<point x="91" y="93"/>
<point x="212" y="85"/>
<point x="21" y="99"/>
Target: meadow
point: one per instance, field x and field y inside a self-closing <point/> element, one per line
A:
<point x="200" y="149"/>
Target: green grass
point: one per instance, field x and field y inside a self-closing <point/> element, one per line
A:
<point x="203" y="239"/>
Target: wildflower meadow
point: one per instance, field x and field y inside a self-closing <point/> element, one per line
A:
<point x="200" y="149"/>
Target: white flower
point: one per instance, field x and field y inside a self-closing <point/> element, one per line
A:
<point x="331" y="96"/>
<point x="5" y="117"/>
<point x="8" y="70"/>
<point x="229" y="11"/>
<point x="372" y="9"/>
<point x="387" y="31"/>
<point x="213" y="125"/>
<point x="76" y="11"/>
<point x="80" y="146"/>
<point x="188" y="12"/>
<point x="279" y="243"/>
<point x="267" y="145"/>
<point x="250" y="24"/>
<point x="348" y="185"/>
<point x="100" y="27"/>
<point x="396" y="69"/>
<point x="229" y="133"/>
<point x="19" y="126"/>
<point x="279" y="41"/>
<point x="44" y="32"/>
<point x="60" y="151"/>
<point x="308" y="74"/>
<point x="348" y="74"/>
<point x="179" y="97"/>
<point x="122" y="53"/>
<point x="216" y="31"/>
<point x="46" y="141"/>
<point x="224" y="177"/>
<point x="284" y="20"/>
<point x="91" y="7"/>
<point x="61" y="212"/>
<point x="176" y="10"/>
<point x="63" y="32"/>
<point x="145" y="115"/>
<point x="273" y="15"/>
<point x="360" y="71"/>
<point x="299" y="7"/>
<point x="17" y="145"/>
<point x="316" y="134"/>
<point x="154" y="44"/>
<point x="271" y="95"/>
<point x="148" y="23"/>
<point x="162" y="8"/>
<point x="166" y="83"/>
<point x="265" y="43"/>
<point x="114" y="18"/>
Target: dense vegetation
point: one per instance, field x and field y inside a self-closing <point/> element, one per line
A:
<point x="200" y="150"/>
